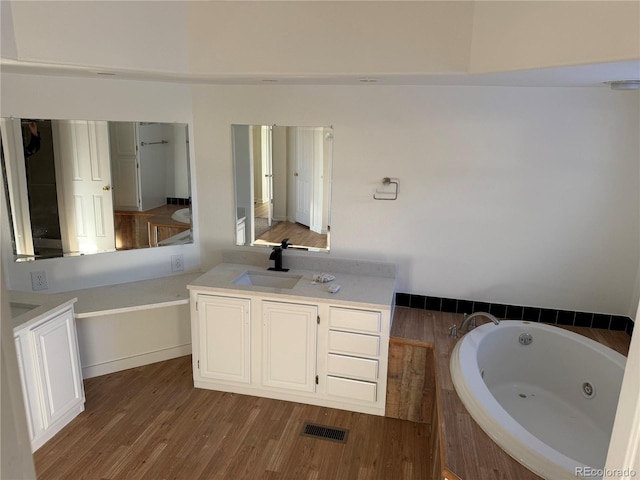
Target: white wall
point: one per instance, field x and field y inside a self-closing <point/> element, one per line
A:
<point x="74" y="98"/>
<point x="524" y="196"/>
<point x="110" y="343"/>
<point x="516" y="195"/>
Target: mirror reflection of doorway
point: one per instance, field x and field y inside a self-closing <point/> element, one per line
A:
<point x="41" y="187"/>
<point x="263" y="180"/>
<point x="289" y="185"/>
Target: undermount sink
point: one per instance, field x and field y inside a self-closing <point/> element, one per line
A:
<point x="267" y="279"/>
<point x="18" y="309"/>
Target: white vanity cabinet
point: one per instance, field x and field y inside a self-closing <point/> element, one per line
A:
<point x="294" y="343"/>
<point x="49" y="365"/>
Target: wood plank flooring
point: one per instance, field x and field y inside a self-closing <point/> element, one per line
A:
<point x="150" y="423"/>
<point x="410" y="382"/>
<point x="296" y="233"/>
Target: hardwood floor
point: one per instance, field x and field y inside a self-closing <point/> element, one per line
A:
<point x="150" y="423"/>
<point x="296" y="233"/>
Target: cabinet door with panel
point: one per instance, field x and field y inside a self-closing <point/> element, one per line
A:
<point x="289" y="337"/>
<point x="58" y="367"/>
<point x="50" y="373"/>
<point x="224" y="341"/>
<point x="32" y="406"/>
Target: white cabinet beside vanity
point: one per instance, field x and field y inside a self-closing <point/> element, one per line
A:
<point x="301" y="344"/>
<point x="49" y="365"/>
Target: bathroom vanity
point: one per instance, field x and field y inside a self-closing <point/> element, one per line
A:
<point x="281" y="335"/>
<point x="48" y="362"/>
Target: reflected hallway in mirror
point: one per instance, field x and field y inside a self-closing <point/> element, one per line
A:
<point x="283" y="185"/>
<point x="297" y="233"/>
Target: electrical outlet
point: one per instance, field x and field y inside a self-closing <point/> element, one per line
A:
<point x="39" y="281"/>
<point x="177" y="263"/>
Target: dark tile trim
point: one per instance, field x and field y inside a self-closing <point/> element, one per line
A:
<point x="178" y="201"/>
<point x="517" y="312"/>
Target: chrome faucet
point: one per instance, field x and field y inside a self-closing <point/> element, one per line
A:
<point x="453" y="331"/>
<point x="469" y="321"/>
<point x="276" y="256"/>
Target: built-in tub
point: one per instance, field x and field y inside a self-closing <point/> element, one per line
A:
<point x="546" y="395"/>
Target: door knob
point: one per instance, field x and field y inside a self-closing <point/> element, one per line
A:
<point x="106" y="188"/>
<point x="295" y="174"/>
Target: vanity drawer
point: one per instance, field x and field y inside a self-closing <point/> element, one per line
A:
<point x="353" y="367"/>
<point x="354" y="343"/>
<point x="359" y="320"/>
<point x="345" y="387"/>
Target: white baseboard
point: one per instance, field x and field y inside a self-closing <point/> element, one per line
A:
<point x="133" y="361"/>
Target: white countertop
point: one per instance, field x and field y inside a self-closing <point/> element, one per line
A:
<point x="43" y="303"/>
<point x="140" y="295"/>
<point x="109" y="299"/>
<point x="369" y="291"/>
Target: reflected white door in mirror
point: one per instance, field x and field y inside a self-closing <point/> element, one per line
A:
<point x="76" y="187"/>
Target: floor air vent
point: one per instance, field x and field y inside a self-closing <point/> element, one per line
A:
<point x="326" y="433"/>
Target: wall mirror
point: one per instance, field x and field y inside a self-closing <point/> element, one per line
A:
<point x="77" y="187"/>
<point x="282" y="185"/>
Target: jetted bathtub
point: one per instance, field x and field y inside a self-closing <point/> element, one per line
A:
<point x="546" y="395"/>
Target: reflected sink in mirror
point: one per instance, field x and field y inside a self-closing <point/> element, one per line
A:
<point x="183" y="215"/>
<point x="267" y="279"/>
<point x="18" y="309"/>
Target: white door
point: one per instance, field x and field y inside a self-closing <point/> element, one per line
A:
<point x="303" y="174"/>
<point x="317" y="181"/>
<point x="224" y="338"/>
<point x="83" y="176"/>
<point x="267" y="168"/>
<point x="123" y="139"/>
<point x="289" y="334"/>
<point x="58" y="367"/>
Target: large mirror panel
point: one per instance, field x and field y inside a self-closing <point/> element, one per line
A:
<point x="77" y="187"/>
<point x="282" y="185"/>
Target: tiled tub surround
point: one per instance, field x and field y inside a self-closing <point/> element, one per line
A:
<point x="178" y="201"/>
<point x="459" y="447"/>
<point x="517" y="312"/>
